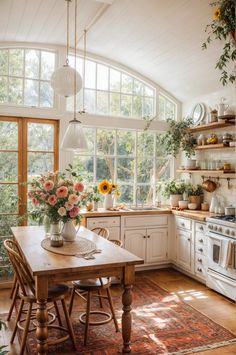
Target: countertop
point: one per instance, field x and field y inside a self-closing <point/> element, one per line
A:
<point x="196" y="215"/>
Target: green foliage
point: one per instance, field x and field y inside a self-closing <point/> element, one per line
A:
<point x="223" y="28"/>
<point x="3" y="347"/>
<point x="92" y="194"/>
<point x="171" y="187"/>
<point x="178" y="136"/>
<point x="194" y="190"/>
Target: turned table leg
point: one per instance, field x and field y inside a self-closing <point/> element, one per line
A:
<point x="126" y="318"/>
<point x="42" y="315"/>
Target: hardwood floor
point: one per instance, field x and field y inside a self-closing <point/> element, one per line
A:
<point x="215" y="306"/>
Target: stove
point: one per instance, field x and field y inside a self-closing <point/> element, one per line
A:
<point x="223" y="225"/>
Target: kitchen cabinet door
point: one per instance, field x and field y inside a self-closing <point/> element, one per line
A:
<point x="157" y="245"/>
<point x="135" y="242"/>
<point x="183" y="249"/>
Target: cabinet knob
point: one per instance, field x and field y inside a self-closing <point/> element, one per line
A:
<point x="199" y="260"/>
<point x="148" y="236"/>
<point x="200" y="240"/>
<point x="182" y="224"/>
<point x="200" y="249"/>
<point x="199" y="269"/>
<point x="189" y="239"/>
<point x="201" y="228"/>
<point x="144" y="236"/>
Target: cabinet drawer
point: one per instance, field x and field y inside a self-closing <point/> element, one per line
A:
<point x="146" y="221"/>
<point x="200" y="227"/>
<point x="201" y="249"/>
<point x="103" y="222"/>
<point x="200" y="239"/>
<point x="200" y="259"/>
<point x="183" y="223"/>
<point x="200" y="265"/>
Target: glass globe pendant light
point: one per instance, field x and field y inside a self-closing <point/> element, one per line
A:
<point x="74" y="138"/>
<point x="62" y="80"/>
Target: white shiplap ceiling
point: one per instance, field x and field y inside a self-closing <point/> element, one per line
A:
<point x="160" y="39"/>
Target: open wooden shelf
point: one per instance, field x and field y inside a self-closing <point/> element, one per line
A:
<point x="207" y="172"/>
<point x="213" y="125"/>
<point x="213" y="146"/>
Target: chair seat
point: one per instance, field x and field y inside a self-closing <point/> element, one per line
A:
<point x="92" y="284"/>
<point x="55" y="292"/>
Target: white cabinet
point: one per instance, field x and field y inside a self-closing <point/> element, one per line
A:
<point x="111" y="223"/>
<point x="200" y="250"/>
<point x="135" y="242"/>
<point x="183" y="249"/>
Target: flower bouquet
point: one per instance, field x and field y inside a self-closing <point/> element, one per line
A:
<point x="109" y="189"/>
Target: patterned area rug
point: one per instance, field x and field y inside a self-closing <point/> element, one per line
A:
<point x="162" y="324"/>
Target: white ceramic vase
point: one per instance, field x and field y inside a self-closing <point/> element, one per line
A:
<point x="108" y="201"/>
<point x="69" y="231"/>
<point x="174" y="200"/>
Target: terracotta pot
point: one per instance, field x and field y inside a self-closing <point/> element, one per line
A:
<point x="174" y="200"/>
<point x="197" y="200"/>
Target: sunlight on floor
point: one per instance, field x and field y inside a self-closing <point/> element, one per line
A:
<point x="188" y="295"/>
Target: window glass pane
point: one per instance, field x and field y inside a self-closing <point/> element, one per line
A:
<point x="137" y="106"/>
<point x="40" y="136"/>
<point x="161" y="108"/>
<point x="102" y="77"/>
<point x="8" y="135"/>
<point x="125" y="169"/>
<point x="6" y="222"/>
<point x="125" y="142"/>
<point x="39" y="163"/>
<point x="126" y="105"/>
<point x="138" y="87"/>
<point x="90" y="74"/>
<point x="114" y="80"/>
<point x="47" y="65"/>
<point x="90" y="137"/>
<point x="148" y="91"/>
<point x="160" y="152"/>
<point x="148" y="107"/>
<point x="32" y="63"/>
<point x="105" y="142"/>
<point x="115" y="104"/>
<point x="145" y="170"/>
<point x="127" y="84"/>
<point x="145" y="144"/>
<point x="89" y="100"/>
<point x="85" y="167"/>
<point x="102" y="102"/>
<point x="127" y="192"/>
<point x="3" y="89"/>
<point x="16" y="62"/>
<point x="31" y="93"/>
<point x="4" y="61"/>
<point x="15" y="91"/>
<point x="105" y="168"/>
<point x="170" y="109"/>
<point x="9" y="197"/>
<point x="79" y="101"/>
<point x="8" y="167"/>
<point x="162" y="169"/>
<point x="46" y="94"/>
<point x="145" y="194"/>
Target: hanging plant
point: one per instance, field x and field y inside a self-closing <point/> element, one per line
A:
<point x="223" y="28"/>
<point x="178" y="137"/>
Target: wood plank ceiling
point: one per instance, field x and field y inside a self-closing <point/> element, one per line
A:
<point x="160" y="39"/>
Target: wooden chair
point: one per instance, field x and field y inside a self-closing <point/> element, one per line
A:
<point x="95" y="285"/>
<point x="103" y="232"/>
<point x="27" y="295"/>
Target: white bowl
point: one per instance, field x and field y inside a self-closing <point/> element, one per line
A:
<point x="192" y="206"/>
<point x="190" y="164"/>
<point x="183" y="204"/>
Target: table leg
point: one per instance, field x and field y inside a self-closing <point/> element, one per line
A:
<point x="126" y="318"/>
<point x="42" y="315"/>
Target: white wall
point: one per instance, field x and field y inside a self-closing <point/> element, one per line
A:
<point x="212" y="99"/>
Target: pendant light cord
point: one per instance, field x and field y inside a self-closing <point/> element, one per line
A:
<point x="67" y="30"/>
<point x="75" y="60"/>
<point x="84" y="63"/>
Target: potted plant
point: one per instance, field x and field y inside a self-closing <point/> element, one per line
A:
<point x="109" y="189"/>
<point x="178" y="137"/>
<point x="92" y="196"/>
<point x="223" y="28"/>
<point x="172" y="189"/>
<point x="195" y="193"/>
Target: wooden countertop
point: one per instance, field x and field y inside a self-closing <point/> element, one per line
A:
<point x="196" y="215"/>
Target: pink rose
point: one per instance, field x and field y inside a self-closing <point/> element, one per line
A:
<point x="48" y="185"/>
<point x="79" y="187"/>
<point x="52" y="200"/>
<point x="73" y="199"/>
<point x="62" y="192"/>
<point x="35" y="202"/>
<point x="74" y="212"/>
<point x="61" y="211"/>
<point x="69" y="206"/>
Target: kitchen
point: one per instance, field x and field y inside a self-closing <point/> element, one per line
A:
<point x="155" y="167"/>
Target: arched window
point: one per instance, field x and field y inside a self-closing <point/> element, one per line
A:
<point x="25" y="75"/>
<point x="113" y="92"/>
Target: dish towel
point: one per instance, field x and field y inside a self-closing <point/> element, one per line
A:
<point x="226" y="253"/>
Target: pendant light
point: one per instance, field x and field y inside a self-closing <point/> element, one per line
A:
<point x="62" y="80"/>
<point x="74" y="138"/>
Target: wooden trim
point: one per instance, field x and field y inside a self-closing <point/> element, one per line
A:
<point x="213" y="146"/>
<point x="213" y="125"/>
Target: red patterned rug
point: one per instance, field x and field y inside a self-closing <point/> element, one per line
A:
<point x="162" y="324"/>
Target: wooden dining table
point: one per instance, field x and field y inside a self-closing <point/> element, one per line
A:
<point x="48" y="268"/>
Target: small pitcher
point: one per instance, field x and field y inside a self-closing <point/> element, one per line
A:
<point x="69" y="231"/>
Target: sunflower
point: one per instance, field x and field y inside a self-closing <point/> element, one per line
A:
<point x="117" y="194"/>
<point x="104" y="187"/>
<point x="113" y="186"/>
<point x="217" y="14"/>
